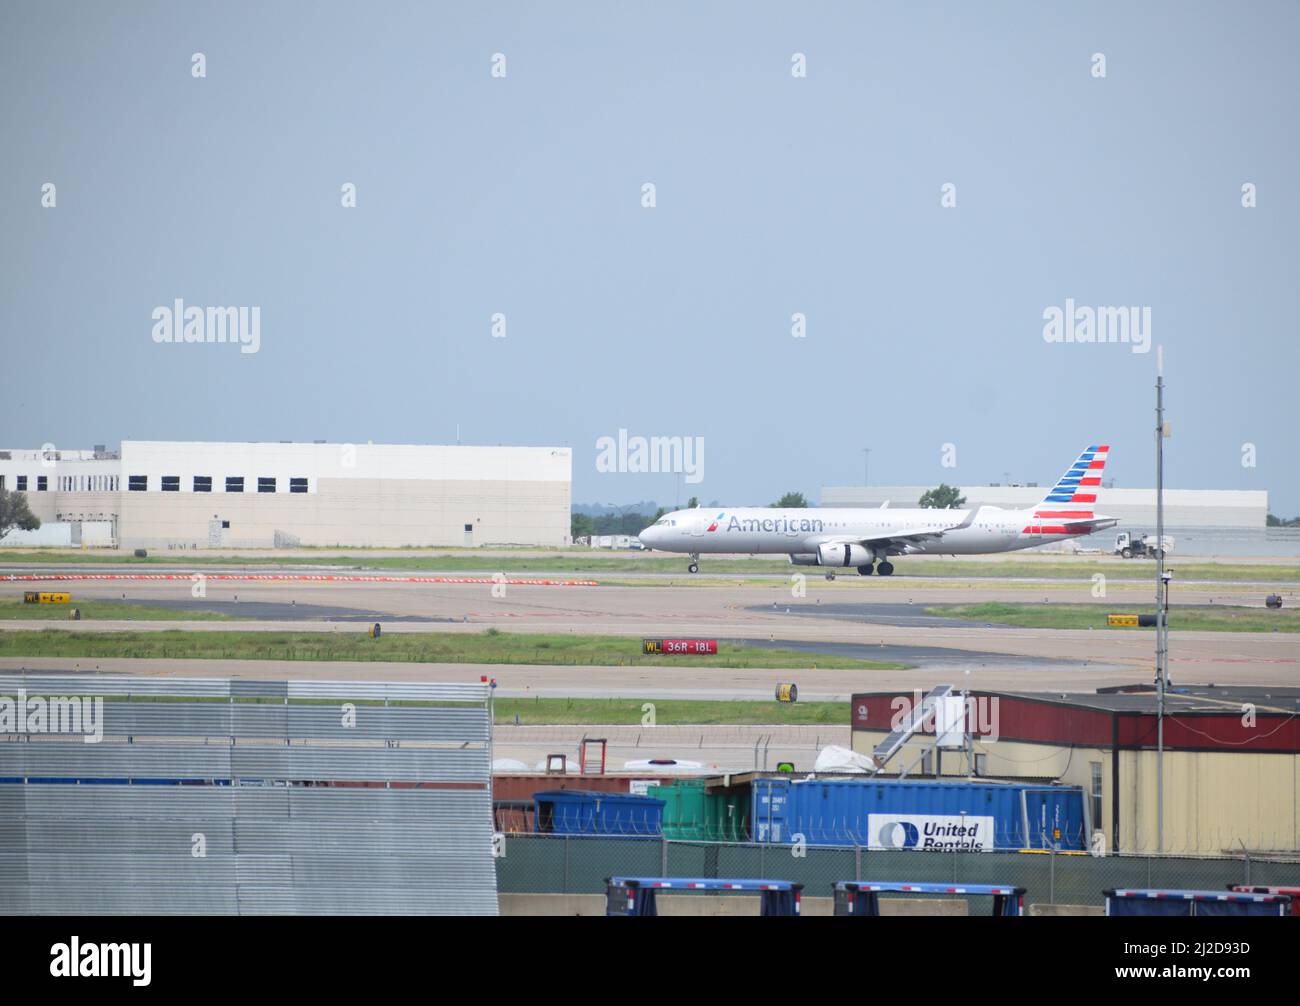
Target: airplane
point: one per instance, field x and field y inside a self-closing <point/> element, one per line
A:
<point x="839" y="538"/>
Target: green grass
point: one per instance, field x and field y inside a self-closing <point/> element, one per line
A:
<point x="594" y="563"/>
<point x="1093" y="616"/>
<point x="490" y="647"/>
<point x="564" y="712"/>
<point x="667" y="712"/>
<point x="92" y="610"/>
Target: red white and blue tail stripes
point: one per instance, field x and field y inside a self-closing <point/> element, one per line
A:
<point x="1068" y="508"/>
<point x="1079" y="484"/>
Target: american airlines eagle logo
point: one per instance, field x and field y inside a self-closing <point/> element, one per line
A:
<point x="714" y="525"/>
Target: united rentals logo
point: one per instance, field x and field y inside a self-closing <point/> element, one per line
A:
<point x="930" y="832"/>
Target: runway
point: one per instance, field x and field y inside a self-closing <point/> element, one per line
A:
<point x="875" y="618"/>
<point x="870" y="618"/>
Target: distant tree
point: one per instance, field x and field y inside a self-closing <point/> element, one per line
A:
<point x="692" y="503"/>
<point x="791" y="501"/>
<point x="580" y="525"/>
<point x="942" y="497"/>
<point x="1276" y="521"/>
<point x="14" y="513"/>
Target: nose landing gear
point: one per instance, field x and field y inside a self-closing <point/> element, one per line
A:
<point x="694" y="567"/>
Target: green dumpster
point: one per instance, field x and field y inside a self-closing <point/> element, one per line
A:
<point x="694" y="813"/>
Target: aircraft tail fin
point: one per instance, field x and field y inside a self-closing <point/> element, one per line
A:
<point x="1079" y="485"/>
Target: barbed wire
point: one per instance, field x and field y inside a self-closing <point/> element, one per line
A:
<point x="847" y="832"/>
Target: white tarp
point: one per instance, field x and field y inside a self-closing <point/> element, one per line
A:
<point x="834" y="758"/>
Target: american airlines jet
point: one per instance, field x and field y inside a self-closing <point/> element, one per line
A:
<point x="865" y="539"/>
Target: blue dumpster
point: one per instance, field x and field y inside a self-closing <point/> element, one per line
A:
<point x="926" y="815"/>
<point x="586" y="812"/>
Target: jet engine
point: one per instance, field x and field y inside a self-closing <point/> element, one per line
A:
<point x="844" y="554"/>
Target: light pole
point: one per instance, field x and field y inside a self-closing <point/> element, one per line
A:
<point x="1162" y="603"/>
<point x="621" y="514"/>
<point x="866" y="461"/>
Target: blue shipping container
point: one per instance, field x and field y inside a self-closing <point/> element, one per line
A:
<point x="585" y="812"/>
<point x="932" y="815"/>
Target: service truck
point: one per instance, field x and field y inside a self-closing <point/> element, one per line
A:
<point x="1142" y="546"/>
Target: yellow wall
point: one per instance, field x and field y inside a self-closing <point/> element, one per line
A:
<point x="1214" y="801"/>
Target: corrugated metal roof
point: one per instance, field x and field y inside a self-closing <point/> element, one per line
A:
<point x="258" y="825"/>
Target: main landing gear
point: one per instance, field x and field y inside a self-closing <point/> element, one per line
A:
<point x="694" y="567"/>
<point x="883" y="568"/>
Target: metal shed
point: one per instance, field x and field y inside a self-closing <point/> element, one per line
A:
<point x="236" y="797"/>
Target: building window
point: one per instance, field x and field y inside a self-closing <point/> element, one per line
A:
<point x="171" y="483"/>
<point x="234" y="484"/>
<point x="469" y="527"/>
<point x="203" y="483"/>
<point x="225" y="525"/>
<point x="297" y="485"/>
<point x="22" y="483"/>
<point x="42" y="483"/>
<point x="137" y="483"/>
<point x="265" y="485"/>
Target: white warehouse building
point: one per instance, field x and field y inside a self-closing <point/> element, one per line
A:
<point x="170" y="495"/>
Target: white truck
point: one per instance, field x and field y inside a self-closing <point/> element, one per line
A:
<point x="1142" y="546"/>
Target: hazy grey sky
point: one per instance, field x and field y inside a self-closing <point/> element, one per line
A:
<point x="775" y="195"/>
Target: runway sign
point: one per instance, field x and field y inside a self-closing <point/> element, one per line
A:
<point x="677" y="646"/>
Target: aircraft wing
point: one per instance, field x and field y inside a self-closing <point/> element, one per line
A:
<point x="902" y="535"/>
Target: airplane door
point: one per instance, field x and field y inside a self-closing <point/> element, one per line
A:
<point x="696" y="523"/>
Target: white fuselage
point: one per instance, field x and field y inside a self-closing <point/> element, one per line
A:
<point x="757" y="530"/>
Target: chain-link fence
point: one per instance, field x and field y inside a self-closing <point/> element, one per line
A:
<point x="559" y="864"/>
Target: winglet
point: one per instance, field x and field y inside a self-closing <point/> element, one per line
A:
<point x="970" y="519"/>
